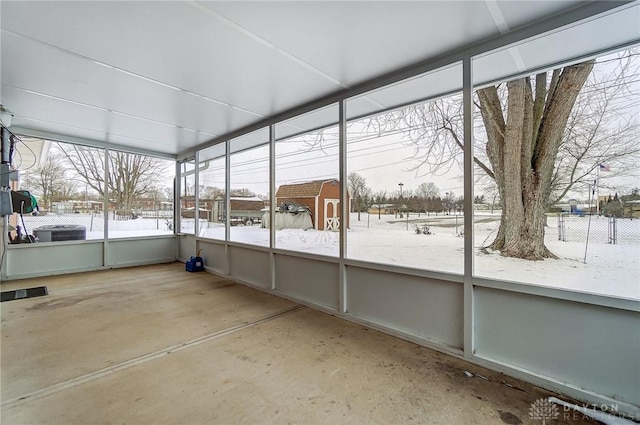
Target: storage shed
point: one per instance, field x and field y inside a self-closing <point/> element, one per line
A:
<point x="322" y="197"/>
<point x="244" y="209"/>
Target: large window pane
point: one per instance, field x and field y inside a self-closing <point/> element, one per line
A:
<point x="405" y="176"/>
<point x="307" y="210"/>
<point x="249" y="188"/>
<point x="68" y="183"/>
<point x="188" y="197"/>
<point x="140" y="195"/>
<point x="211" y="191"/>
<point x="559" y="206"/>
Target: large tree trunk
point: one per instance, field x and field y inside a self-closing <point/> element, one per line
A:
<point x="522" y="151"/>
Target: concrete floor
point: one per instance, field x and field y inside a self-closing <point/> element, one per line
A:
<point x="158" y="345"/>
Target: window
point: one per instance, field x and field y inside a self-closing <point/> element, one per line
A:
<point x="574" y="225"/>
<point x="67" y="182"/>
<point x="307" y="199"/>
<point x="249" y="183"/>
<point x="188" y="197"/>
<point x="140" y="195"/>
<point x="405" y="173"/>
<point x="212" y="191"/>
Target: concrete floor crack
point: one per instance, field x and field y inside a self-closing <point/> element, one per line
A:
<point x="70" y="383"/>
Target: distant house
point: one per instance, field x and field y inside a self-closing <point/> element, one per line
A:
<point x="631" y="209"/>
<point x="322" y="197"/>
<point x="75" y="207"/>
<point x="244" y="210"/>
<point x="63" y="207"/>
<point x="382" y="209"/>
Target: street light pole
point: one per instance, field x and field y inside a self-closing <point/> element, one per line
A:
<point x="446" y="203"/>
<point x="400" y="200"/>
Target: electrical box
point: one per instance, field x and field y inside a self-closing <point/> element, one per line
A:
<point x="6" y="206"/>
<point x="5" y="175"/>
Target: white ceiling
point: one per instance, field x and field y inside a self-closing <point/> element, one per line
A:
<point x="167" y="76"/>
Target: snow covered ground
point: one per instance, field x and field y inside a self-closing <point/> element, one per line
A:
<point x="609" y="269"/>
<point x="94" y="225"/>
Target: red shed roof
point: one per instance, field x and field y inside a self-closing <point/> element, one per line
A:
<point x="246" y="204"/>
<point x="301" y="190"/>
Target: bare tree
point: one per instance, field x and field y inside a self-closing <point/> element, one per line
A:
<point x="210" y="192"/>
<point x="600" y="129"/>
<point x="242" y="192"/>
<point x="360" y="193"/>
<point x="426" y="193"/>
<point x="379" y="198"/>
<point x="129" y="176"/>
<point x="544" y="135"/>
<point x="48" y="180"/>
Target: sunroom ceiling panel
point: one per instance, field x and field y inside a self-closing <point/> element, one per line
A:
<point x="173" y="75"/>
<point x="52" y="72"/>
<point x="355" y="41"/>
<point x="173" y="43"/>
<point x="30" y="108"/>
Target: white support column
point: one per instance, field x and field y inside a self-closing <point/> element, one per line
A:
<point x="227" y="203"/>
<point x="196" y="198"/>
<point x="105" y="209"/>
<point x="176" y="204"/>
<point x="272" y="204"/>
<point x="467" y="99"/>
<point x="344" y="208"/>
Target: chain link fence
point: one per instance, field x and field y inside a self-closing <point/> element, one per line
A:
<point x="121" y="223"/>
<point x="609" y="230"/>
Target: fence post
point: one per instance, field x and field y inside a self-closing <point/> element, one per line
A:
<point x="562" y="236"/>
<point x="613" y="230"/>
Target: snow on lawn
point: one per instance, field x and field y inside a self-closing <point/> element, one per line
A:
<point x="612" y="269"/>
<point x="94" y="225"/>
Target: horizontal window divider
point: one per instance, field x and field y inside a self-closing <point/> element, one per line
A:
<point x="430" y="274"/>
<point x="141" y="263"/>
<point x="55" y="137"/>
<point x="307" y="131"/>
<point x="306" y="255"/>
<point x="247" y="148"/>
<point x="138" y="238"/>
<point x="601" y="300"/>
<point x="209" y="240"/>
<point x="248" y="246"/>
<point x="543" y="68"/>
<point x="50" y="244"/>
<point x="431" y="98"/>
